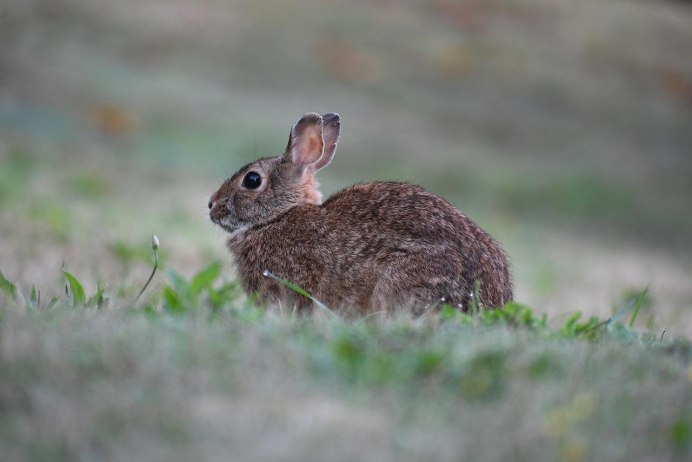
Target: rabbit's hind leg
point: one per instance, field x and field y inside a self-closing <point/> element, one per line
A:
<point x="413" y="282"/>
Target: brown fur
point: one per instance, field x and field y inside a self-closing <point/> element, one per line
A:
<point x="371" y="246"/>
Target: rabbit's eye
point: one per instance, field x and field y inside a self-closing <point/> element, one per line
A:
<point x="252" y="180"/>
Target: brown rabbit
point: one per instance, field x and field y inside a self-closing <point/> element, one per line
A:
<point x="371" y="246"/>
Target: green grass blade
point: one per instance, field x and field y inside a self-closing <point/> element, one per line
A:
<point x="634" y="302"/>
<point x="7" y="286"/>
<point x="76" y="288"/>
<point x="299" y="290"/>
<point x="623" y="309"/>
<point x="474" y="302"/>
<point x="639" y="302"/>
<point x="34" y="298"/>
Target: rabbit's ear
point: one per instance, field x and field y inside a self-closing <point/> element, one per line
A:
<point x="331" y="125"/>
<point x="305" y="144"/>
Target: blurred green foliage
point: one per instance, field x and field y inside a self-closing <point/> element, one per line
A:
<point x="497" y="362"/>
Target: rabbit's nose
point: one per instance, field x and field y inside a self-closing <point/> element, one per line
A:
<point x="211" y="205"/>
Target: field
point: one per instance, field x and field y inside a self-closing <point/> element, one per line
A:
<point x="201" y="375"/>
<point x="563" y="128"/>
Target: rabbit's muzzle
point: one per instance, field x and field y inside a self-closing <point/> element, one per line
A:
<point x="220" y="213"/>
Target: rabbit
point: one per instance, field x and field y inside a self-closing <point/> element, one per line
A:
<point x="371" y="246"/>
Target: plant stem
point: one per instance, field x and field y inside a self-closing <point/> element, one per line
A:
<point x="155" y="247"/>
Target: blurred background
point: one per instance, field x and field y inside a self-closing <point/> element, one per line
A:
<point x="562" y="127"/>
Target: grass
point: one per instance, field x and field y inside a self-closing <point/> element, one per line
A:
<point x="197" y="371"/>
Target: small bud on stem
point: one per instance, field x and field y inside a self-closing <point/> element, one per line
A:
<point x="155" y="247"/>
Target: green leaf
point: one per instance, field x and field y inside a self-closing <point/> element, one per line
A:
<point x="7" y="286"/>
<point x="205" y="278"/>
<point x="179" y="282"/>
<point x="569" y="326"/>
<point x="76" y="288"/>
<point x="171" y="301"/>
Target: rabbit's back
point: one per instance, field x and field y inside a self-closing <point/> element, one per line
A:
<point x="419" y="245"/>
